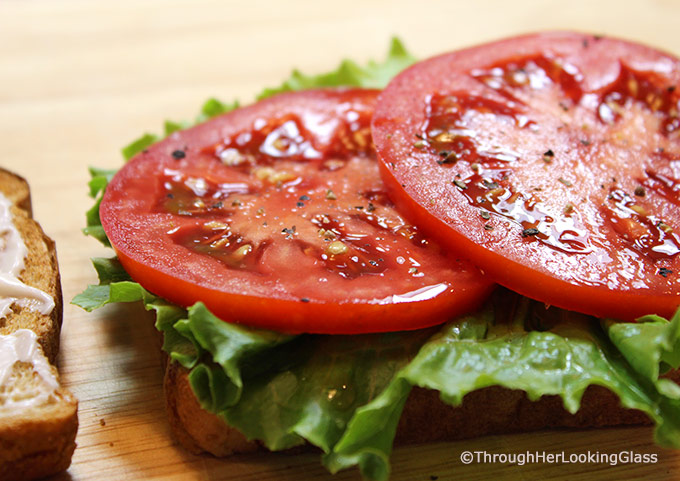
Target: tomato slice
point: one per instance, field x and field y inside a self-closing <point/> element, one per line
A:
<point x="275" y="216"/>
<point x="551" y="160"/>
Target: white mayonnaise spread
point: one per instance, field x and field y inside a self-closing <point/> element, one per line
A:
<point x="12" y="254"/>
<point x="22" y="346"/>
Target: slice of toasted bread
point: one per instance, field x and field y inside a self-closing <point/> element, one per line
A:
<point x="38" y="417"/>
<point x="492" y="410"/>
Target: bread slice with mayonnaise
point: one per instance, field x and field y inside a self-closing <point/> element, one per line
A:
<point x="38" y="417"/>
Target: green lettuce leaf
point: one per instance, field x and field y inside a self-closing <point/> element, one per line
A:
<point x="650" y="346"/>
<point x="345" y="394"/>
<point x="349" y="73"/>
<point x="476" y="351"/>
<point x="137" y="145"/>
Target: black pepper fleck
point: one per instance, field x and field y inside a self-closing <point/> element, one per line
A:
<point x="665" y="271"/>
<point x="532" y="231"/>
<point x="304" y="299"/>
<point x="289" y="232"/>
<point x="179" y="154"/>
<point x="305" y="197"/>
<point x="640" y="191"/>
<point x="447" y="157"/>
<point x="460" y="184"/>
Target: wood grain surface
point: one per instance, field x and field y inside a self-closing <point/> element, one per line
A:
<point x="79" y="79"/>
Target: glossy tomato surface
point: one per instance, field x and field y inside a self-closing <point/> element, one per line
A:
<point x="551" y="160"/>
<point x="275" y="216"/>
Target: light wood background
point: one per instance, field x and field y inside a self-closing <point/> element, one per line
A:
<point x="79" y="79"/>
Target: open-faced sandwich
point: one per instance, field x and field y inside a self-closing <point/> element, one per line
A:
<point x="323" y="263"/>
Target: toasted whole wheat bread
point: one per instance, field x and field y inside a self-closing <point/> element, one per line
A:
<point x="492" y="410"/>
<point x="38" y="423"/>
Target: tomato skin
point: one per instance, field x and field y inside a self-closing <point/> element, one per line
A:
<point x="569" y="128"/>
<point x="240" y="213"/>
<point x="293" y="316"/>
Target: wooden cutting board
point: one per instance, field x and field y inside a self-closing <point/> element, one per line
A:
<point x="79" y="79"/>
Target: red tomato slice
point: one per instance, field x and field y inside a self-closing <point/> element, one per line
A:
<point x="551" y="160"/>
<point x="275" y="216"/>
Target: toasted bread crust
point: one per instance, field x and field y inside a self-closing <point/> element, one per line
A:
<point x="496" y="410"/>
<point x="195" y="428"/>
<point x="16" y="189"/>
<point x="492" y="410"/>
<point x="38" y="441"/>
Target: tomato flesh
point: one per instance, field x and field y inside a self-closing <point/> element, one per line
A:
<point x="275" y="216"/>
<point x="552" y="161"/>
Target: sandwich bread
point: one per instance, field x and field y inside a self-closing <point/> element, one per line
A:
<point x="38" y="417"/>
<point x="492" y="410"/>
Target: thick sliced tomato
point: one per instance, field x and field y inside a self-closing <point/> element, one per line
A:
<point x="551" y="160"/>
<point x="275" y="216"/>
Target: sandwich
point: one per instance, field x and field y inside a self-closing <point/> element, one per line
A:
<point x="38" y="417"/>
<point x="322" y="263"/>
